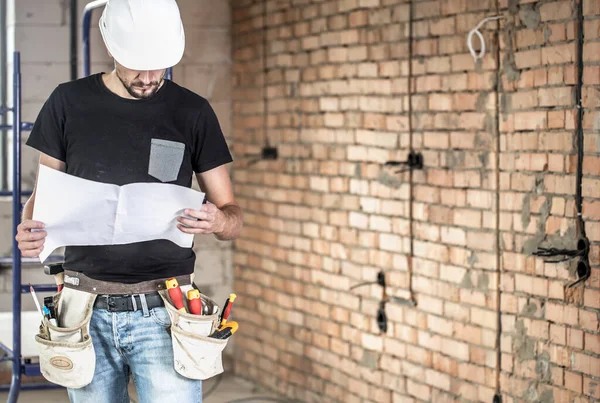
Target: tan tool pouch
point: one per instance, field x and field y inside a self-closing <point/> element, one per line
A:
<point x="196" y="356"/>
<point x="67" y="355"/>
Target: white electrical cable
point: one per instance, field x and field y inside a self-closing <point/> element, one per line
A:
<point x="475" y="31"/>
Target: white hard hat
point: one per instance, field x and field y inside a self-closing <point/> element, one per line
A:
<point x="143" y="34"/>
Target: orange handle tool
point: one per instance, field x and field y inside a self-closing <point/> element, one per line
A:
<point x="175" y="294"/>
<point x="227" y="309"/>
<point x="194" y="302"/>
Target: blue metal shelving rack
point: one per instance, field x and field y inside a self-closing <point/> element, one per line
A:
<point x="19" y="365"/>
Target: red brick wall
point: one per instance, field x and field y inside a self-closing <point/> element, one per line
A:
<point x="329" y="214"/>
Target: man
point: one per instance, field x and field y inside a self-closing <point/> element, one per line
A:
<point x="131" y="125"/>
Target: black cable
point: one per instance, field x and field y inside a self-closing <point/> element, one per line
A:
<point x="498" y="264"/>
<point x="265" y="78"/>
<point x="411" y="235"/>
<point x="73" y="37"/>
<point x="363" y="284"/>
<point x="254" y="161"/>
<point x="552" y="252"/>
<point x="583" y="249"/>
<point x="578" y="97"/>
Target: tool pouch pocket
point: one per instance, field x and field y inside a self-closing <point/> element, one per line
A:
<point x="66" y="352"/>
<point x="195" y="355"/>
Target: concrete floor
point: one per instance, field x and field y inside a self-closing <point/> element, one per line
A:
<point x="230" y="388"/>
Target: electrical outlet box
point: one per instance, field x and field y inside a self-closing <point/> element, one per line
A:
<point x="269" y="153"/>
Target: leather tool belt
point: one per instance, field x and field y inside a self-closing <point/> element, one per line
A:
<point x="81" y="282"/>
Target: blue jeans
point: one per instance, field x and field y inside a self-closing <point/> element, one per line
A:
<point x="131" y="343"/>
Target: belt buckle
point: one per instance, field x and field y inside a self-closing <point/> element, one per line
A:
<point x="116" y="303"/>
<point x="110" y="304"/>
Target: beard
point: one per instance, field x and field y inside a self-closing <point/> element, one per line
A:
<point x="139" y="90"/>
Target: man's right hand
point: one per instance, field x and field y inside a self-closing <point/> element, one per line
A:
<point x="31" y="243"/>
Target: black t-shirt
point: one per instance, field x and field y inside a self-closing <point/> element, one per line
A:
<point x="107" y="138"/>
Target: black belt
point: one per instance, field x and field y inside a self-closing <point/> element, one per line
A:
<point x="124" y="303"/>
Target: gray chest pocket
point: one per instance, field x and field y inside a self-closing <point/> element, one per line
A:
<point x="165" y="159"/>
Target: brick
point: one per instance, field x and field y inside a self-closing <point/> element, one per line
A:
<point x="556" y="290"/>
<point x="428" y="83"/>
<point x="558" y="334"/>
<point x="592" y="343"/>
<point x="524" y="100"/>
<point x="417" y="389"/>
<point x="570" y="315"/>
<point x="453" y="236"/>
<point x="562" y="96"/>
<point x="442" y="26"/>
<point x="472" y="120"/>
<point x="556" y="119"/>
<point x="554" y="312"/>
<point x="368" y="3"/>
<point x="435" y="140"/>
<point x="528" y="58"/>
<point x="530" y="120"/>
<point x="455" y="349"/>
<point x="591" y="298"/>
<point x="590" y="97"/>
<point x="338" y="54"/>
<point x="591" y="8"/>
<point x="559" y="54"/>
<point x="573" y="382"/>
<point x="437" y="380"/>
<point x="558" y="10"/>
<point x="591" y="387"/>
<point x="467" y="218"/>
<point x="591" y="51"/>
<point x="559" y="355"/>
<point x="591" y="29"/>
<point x="358" y="18"/>
<point x="528" y="38"/>
<point x="440" y="178"/>
<point x="591" y="75"/>
<point x="440" y="102"/>
<point x="561" y="75"/>
<point x="557" y="33"/>
<point x="389" y="242"/>
<point x="483" y="318"/>
<point x="439" y="325"/>
<point x="526" y="79"/>
<point x="471" y="372"/>
<point x="586" y="364"/>
<point x="464" y="101"/>
<point x="360" y="388"/>
<point x="575" y="338"/>
<point x="591" y="188"/>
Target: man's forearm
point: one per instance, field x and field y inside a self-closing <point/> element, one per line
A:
<point x="28" y="209"/>
<point x="233" y="222"/>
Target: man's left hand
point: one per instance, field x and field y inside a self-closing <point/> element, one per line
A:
<point x="208" y="220"/>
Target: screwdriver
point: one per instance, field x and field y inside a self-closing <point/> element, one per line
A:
<point x="225" y="331"/>
<point x="194" y="302"/>
<point x="175" y="294"/>
<point x="227" y="309"/>
<point x="37" y="303"/>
